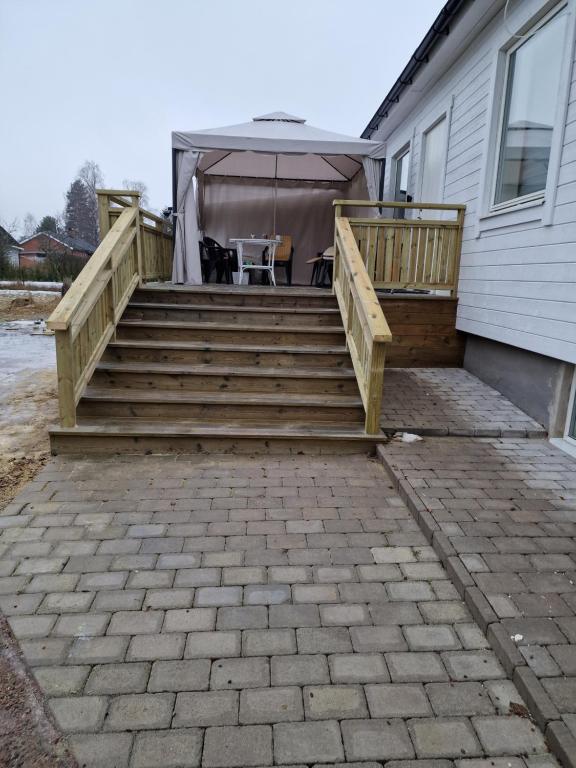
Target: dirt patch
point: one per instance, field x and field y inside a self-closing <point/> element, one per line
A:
<point x="16" y="472"/>
<point x="29" y="737"/>
<point x="28" y="411"/>
<point x="27" y="305"/>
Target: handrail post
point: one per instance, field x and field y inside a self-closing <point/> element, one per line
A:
<point x="375" y="389"/>
<point x="65" y="368"/>
<point x="457" y="253"/>
<point x="138" y="224"/>
<point x="103" y="214"/>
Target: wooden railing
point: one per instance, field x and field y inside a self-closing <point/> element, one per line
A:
<point x="367" y="331"/>
<point x="86" y="318"/>
<point x="410" y="252"/>
<point x="155" y="233"/>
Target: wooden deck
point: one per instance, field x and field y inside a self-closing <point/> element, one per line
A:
<point x="148" y="366"/>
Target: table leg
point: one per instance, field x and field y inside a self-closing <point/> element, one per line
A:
<point x="240" y="262"/>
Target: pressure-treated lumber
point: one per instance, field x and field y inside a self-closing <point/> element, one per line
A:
<point x="409" y="253"/>
<point x="367" y="331"/>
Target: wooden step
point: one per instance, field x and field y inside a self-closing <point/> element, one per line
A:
<point x="231" y="333"/>
<point x="222" y="378"/>
<point x="261" y="316"/>
<point x="198" y="353"/>
<point x="222" y="407"/>
<point x="139" y="436"/>
<point x="245" y="296"/>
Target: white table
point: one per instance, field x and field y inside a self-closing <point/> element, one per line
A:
<point x="261" y="243"/>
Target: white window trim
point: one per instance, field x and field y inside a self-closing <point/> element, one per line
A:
<point x="538" y="206"/>
<point x="403" y="149"/>
<point x="566" y="442"/>
<point x="445" y="113"/>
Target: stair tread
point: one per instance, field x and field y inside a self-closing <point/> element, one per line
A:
<point x="224" y="398"/>
<point x="208" y="369"/>
<point x="222" y="347"/>
<point x="231" y="326"/>
<point x="243" y="290"/>
<point x="232" y="308"/>
<point x="248" y="429"/>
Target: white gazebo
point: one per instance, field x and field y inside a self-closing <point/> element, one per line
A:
<point x="275" y="174"/>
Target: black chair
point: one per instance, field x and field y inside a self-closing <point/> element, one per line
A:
<point x="213" y="255"/>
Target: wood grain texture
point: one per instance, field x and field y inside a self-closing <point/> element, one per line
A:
<point x="424" y="332"/>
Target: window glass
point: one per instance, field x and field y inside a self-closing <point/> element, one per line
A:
<point x="572" y="422"/>
<point x="530" y="103"/>
<point x="433" y="146"/>
<point x="401" y="185"/>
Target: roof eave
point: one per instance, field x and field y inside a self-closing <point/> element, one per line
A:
<point x="422" y="58"/>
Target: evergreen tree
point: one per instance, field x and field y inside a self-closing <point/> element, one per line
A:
<point x="80" y="213"/>
<point x="48" y="224"/>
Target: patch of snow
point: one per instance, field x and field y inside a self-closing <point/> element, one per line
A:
<point x="15" y="293"/>
<point x="41" y="285"/>
<point x="517" y="638"/>
<point x="407" y="437"/>
<point x="24" y="347"/>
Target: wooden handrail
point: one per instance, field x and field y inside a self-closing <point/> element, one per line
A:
<point x="85" y="320"/>
<point x="398" y="204"/>
<point x="367" y="331"/>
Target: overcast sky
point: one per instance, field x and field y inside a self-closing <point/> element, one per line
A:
<point x="108" y="80"/>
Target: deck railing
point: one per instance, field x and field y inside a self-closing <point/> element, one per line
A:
<point x="367" y="331"/>
<point x="155" y="233"/>
<point x="414" y="252"/>
<point x="86" y="318"/>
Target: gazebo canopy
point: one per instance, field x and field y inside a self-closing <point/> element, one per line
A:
<point x="275" y="146"/>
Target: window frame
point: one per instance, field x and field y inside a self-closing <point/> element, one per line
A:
<point x="567" y="443"/>
<point x="503" y="99"/>
<point x="444" y="114"/>
<point x="536" y="207"/>
<point x="406" y="149"/>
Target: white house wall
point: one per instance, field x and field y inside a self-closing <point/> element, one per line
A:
<point x="518" y="278"/>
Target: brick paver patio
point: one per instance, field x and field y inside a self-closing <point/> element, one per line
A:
<point x="502" y="516"/>
<point x="450" y="401"/>
<point x="230" y="611"/>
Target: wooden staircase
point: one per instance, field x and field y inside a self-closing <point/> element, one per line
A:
<point x="219" y="368"/>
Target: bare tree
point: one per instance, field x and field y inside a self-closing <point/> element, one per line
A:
<point x="137" y="186"/>
<point x="29" y="226"/>
<point x="91" y="176"/>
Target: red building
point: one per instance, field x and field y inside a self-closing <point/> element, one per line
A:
<point x="38" y="247"/>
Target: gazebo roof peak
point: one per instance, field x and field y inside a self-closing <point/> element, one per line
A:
<point x="280" y="117"/>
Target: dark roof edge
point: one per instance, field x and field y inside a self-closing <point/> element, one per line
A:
<point x="439" y="30"/>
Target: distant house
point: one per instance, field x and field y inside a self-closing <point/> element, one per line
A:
<point x="9" y="248"/>
<point x="38" y="247"/>
<point x="485" y="114"/>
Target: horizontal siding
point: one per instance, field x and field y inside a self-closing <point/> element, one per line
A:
<point x="517" y="281"/>
<point x="541" y="308"/>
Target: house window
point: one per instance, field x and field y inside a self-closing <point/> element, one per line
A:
<point x="402" y="167"/>
<point x="529" y="111"/>
<point x="401" y="177"/>
<point x="434" y="150"/>
<point x="571" y="423"/>
<point x="568" y="441"/>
